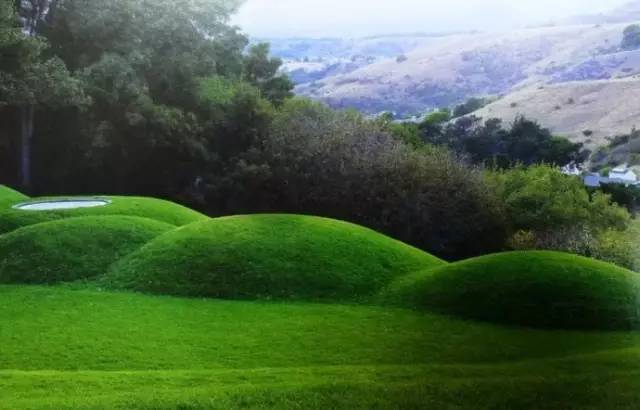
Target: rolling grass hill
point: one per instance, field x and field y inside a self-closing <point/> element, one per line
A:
<point x="80" y="344"/>
<point x="151" y="208"/>
<point x="69" y="349"/>
<point x="601" y="108"/>
<point x="9" y="196"/>
<point x="538" y="289"/>
<point x="268" y="256"/>
<point x="72" y="248"/>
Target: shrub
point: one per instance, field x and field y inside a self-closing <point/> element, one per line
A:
<point x="556" y="209"/>
<point x="339" y="165"/>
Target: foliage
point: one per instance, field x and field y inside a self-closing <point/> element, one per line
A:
<point x="621" y="149"/>
<point x="625" y="196"/>
<point x="269" y="256"/>
<point x="631" y="37"/>
<point x="72" y="249"/>
<point x="317" y="161"/>
<point x="142" y="66"/>
<point x="555" y="211"/>
<point x="526" y="142"/>
<point x="471" y="105"/>
<point x="261" y="70"/>
<point x="538" y="289"/>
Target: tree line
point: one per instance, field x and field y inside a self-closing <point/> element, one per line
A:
<point x="165" y="98"/>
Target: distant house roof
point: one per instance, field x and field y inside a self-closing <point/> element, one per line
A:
<point x="592" y="180"/>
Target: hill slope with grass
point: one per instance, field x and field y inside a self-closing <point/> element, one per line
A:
<point x="450" y="69"/>
<point x="10" y="196"/>
<point x="538" y="289"/>
<point x="73" y="248"/>
<point x="151" y="208"/>
<point x="268" y="256"/>
<point x="69" y="349"/>
<point x="585" y="111"/>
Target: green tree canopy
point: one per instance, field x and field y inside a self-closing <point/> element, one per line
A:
<point x="631" y="37"/>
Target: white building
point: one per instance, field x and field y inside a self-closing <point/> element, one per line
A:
<point x="623" y="175"/>
<point x="572" y="169"/>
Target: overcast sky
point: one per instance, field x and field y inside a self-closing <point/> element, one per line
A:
<point x="339" y="18"/>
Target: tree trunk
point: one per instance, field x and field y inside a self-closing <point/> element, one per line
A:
<point x="26" y="132"/>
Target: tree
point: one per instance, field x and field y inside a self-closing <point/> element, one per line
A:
<point x="314" y="160"/>
<point x="29" y="79"/>
<point x="471" y="105"/>
<point x="489" y="143"/>
<point x="631" y="37"/>
<point x="555" y="211"/>
<point x="151" y="128"/>
<point x="261" y="70"/>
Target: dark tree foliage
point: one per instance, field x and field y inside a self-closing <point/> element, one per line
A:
<point x="626" y="196"/>
<point x="165" y="98"/>
<point x="471" y="105"/>
<point x="337" y="164"/>
<point x="526" y="142"/>
<point x="631" y="37"/>
<point x="140" y="68"/>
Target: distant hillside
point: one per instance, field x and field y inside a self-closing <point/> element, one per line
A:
<point x="307" y="59"/>
<point x="448" y="70"/>
<point x="585" y="111"/>
<point x="625" y="13"/>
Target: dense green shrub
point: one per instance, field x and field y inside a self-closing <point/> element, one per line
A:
<point x="338" y="164"/>
<point x="549" y="210"/>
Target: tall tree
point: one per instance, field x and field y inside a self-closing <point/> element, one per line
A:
<point x="28" y="79"/>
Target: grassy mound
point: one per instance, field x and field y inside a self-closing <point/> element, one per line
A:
<point x="538" y="289"/>
<point x="9" y="196"/>
<point x="159" y="210"/>
<point x="72" y="248"/>
<point x="268" y="256"/>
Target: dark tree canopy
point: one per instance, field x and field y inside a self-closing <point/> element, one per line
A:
<point x="631" y="37"/>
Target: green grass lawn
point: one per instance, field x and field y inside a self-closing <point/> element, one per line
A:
<point x="378" y="340"/>
<point x="69" y="348"/>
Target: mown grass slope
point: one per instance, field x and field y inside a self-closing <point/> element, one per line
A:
<point x="268" y="256"/>
<point x="539" y="289"/>
<point x="157" y="209"/>
<point x="66" y="349"/>
<point x="10" y="196"/>
<point x="73" y="248"/>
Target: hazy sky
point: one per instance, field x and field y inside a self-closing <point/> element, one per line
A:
<point x="327" y="18"/>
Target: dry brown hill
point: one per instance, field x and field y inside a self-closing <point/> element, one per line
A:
<point x="585" y="111"/>
<point x="450" y="69"/>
